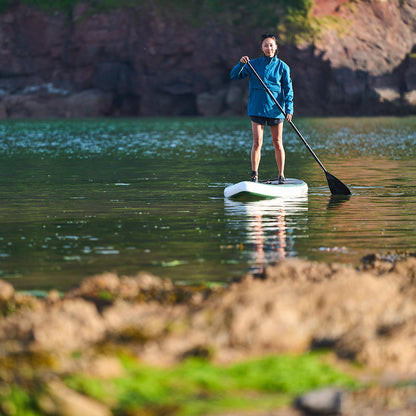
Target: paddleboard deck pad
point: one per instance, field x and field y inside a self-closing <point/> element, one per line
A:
<point x="266" y="189"/>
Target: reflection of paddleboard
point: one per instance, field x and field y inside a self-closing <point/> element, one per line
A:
<point x="267" y="207"/>
<point x="269" y="189"/>
<point x="267" y="228"/>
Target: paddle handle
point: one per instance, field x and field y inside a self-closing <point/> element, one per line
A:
<point x="284" y="113"/>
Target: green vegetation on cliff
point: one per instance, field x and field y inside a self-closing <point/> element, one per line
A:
<point x="291" y="18"/>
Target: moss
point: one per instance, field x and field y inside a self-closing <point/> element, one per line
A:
<point x="17" y="401"/>
<point x="24" y="365"/>
<point x="48" y="5"/>
<point x="296" y="26"/>
<point x="132" y="334"/>
<point x="198" y="387"/>
<point x="339" y="25"/>
<point x="105" y="295"/>
<point x="5" y="5"/>
<point x="17" y="304"/>
<point x="7" y="308"/>
<point x="233" y="13"/>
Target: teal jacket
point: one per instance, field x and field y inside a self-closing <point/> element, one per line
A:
<point x="276" y="75"/>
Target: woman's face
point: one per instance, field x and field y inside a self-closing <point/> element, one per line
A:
<point x="269" y="47"/>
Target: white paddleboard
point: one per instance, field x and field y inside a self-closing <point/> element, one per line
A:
<point x="270" y="189"/>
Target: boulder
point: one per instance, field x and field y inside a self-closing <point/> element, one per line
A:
<point x="211" y="103"/>
<point x="58" y="328"/>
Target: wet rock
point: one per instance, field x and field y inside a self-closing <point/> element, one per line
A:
<point x="6" y="291"/>
<point x="296" y="306"/>
<point x="366" y="315"/>
<point x="140" y="323"/>
<point x="117" y="77"/>
<point x="112" y="286"/>
<point x="410" y="98"/>
<point x="383" y="263"/>
<point x="387" y="94"/>
<point x="406" y="269"/>
<point x="381" y="400"/>
<point x="59" y="328"/>
<point x="60" y="400"/>
<point x="3" y="111"/>
<point x="325" y="401"/>
<point x="103" y="367"/>
<point x="88" y="103"/>
<point x="211" y="103"/>
<point x="104" y="290"/>
<point x="12" y="301"/>
<point x="236" y="99"/>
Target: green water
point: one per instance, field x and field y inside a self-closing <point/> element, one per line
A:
<point x="84" y="197"/>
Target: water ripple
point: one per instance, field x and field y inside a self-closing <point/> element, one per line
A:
<point x="162" y="138"/>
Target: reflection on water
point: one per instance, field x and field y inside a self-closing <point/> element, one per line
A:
<point x="269" y="226"/>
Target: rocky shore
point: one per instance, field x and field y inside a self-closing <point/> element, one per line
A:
<point x="366" y="317"/>
<point x="152" y="61"/>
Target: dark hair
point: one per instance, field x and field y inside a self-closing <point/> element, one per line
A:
<point x="269" y="35"/>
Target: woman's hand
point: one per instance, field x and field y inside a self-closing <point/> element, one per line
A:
<point x="244" y="59"/>
<point x="289" y="117"/>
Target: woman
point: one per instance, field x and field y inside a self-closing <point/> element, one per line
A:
<point x="261" y="108"/>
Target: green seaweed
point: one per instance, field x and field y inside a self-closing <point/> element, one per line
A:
<point x="16" y="401"/>
<point x="197" y="386"/>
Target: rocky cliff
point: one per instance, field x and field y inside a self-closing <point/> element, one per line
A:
<point x="358" y="59"/>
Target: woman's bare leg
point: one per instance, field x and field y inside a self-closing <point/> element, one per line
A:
<point x="257" y="130"/>
<point x="279" y="151"/>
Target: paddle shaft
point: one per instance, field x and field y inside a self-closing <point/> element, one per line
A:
<point x="284" y="113"/>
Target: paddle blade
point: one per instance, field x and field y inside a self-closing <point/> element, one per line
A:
<point x="336" y="186"/>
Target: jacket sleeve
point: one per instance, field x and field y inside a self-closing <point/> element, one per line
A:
<point x="288" y="90"/>
<point x="239" y="71"/>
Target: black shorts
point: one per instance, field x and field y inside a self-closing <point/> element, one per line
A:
<point x="266" y="120"/>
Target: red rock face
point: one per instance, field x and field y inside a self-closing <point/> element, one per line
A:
<point x="137" y="62"/>
<point x="327" y="7"/>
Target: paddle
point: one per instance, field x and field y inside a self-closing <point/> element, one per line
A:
<point x="335" y="185"/>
